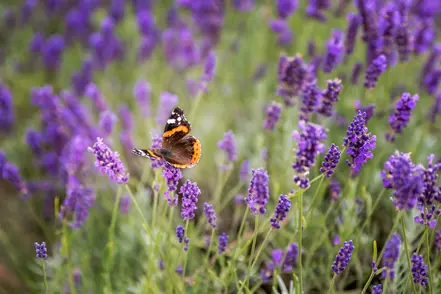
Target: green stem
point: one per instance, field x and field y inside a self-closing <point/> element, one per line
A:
<point x="44" y="276"/>
<point x="186" y="253"/>
<point x="385" y="285"/>
<point x="65" y="245"/>
<point x="110" y="241"/>
<point x="253" y="246"/>
<point x="314" y="198"/>
<point x="155" y="198"/>
<point x="366" y="286"/>
<point x="300" y="241"/>
<point x="406" y="247"/>
<point x="331" y="286"/>
<point x="428" y="259"/>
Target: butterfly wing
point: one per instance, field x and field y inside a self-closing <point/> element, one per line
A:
<point x="149" y="153"/>
<point x="185" y="153"/>
<point x="176" y="128"/>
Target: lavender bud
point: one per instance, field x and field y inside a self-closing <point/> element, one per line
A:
<point x="343" y="257"/>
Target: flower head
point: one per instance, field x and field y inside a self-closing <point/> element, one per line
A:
<point x="377" y="289"/>
<point x="374" y="70"/>
<point x="40" y="250"/>
<point x="331" y="161"/>
<point x="180" y="232"/>
<point x="391" y="254"/>
<point x="354" y="21"/>
<point x="281" y="212"/>
<point x="334" y="190"/>
<point x="334" y="51"/>
<point x="222" y="243"/>
<point x="210" y="214"/>
<point x="437" y="240"/>
<point x="124" y="204"/>
<point x="419" y="270"/>
<point x="107" y="121"/>
<point x="142" y="92"/>
<point x="109" y="162"/>
<point x="359" y="143"/>
<point x="228" y="145"/>
<point x="310" y="99"/>
<point x="258" y="192"/>
<point x="272" y="112"/>
<point x="285" y="8"/>
<point x="330" y="97"/>
<point x="190" y="192"/>
<point x="172" y="176"/>
<point x="293" y="75"/>
<point x="401" y="116"/>
<point x="343" y="257"/>
<point x="309" y="145"/>
<point x="356" y="71"/>
<point x="245" y="170"/>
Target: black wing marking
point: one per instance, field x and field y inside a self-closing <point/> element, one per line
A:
<point x="176" y="128"/>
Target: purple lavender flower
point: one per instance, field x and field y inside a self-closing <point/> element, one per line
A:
<point x="109" y="162"/>
<point x="7" y="115"/>
<point x="314" y="9"/>
<point x="245" y="170"/>
<point x="435" y="109"/>
<point x="359" y="143"/>
<point x="180" y="233"/>
<point x="331" y="160"/>
<point x="369" y="109"/>
<point x="336" y="240"/>
<point x="432" y="80"/>
<point x="388" y="25"/>
<point x="419" y="270"/>
<point x="180" y="48"/>
<point x="243" y="5"/>
<point x="142" y="93"/>
<point x="167" y="102"/>
<point x="310" y="100"/>
<point x="334" y="51"/>
<point x="356" y="71"/>
<point x="209" y="68"/>
<point x="179" y="270"/>
<point x="190" y="192"/>
<point x="11" y="173"/>
<point x="343" y="257"/>
<point x="258" y="192"/>
<point x="334" y="190"/>
<point x="283" y="31"/>
<point x="330" y="97"/>
<point x="228" y="145"/>
<point x="9" y="18"/>
<point x="105" y="45"/>
<point x="428" y="216"/>
<point x="37" y="43"/>
<point x="431" y="62"/>
<point x="437" y="240"/>
<point x="124" y="204"/>
<point x="354" y="21"/>
<point x="311" y="48"/>
<point x="210" y="214"/>
<point x="403" y="38"/>
<point x="186" y="241"/>
<point x="172" y="176"/>
<point x="82" y="78"/>
<point x="377" y="289"/>
<point x="391" y="254"/>
<point x="401" y="175"/>
<point x="78" y="202"/>
<point x="272" y="112"/>
<point x="116" y="10"/>
<point x="368" y="14"/>
<point x="40" y="250"/>
<point x="126" y="117"/>
<point x="107" y="121"/>
<point x="309" y="145"/>
<point x="51" y="52"/>
<point x="286" y="8"/>
<point x="293" y="75"/>
<point x="425" y="36"/>
<point x="401" y="116"/>
<point x="431" y="192"/>
<point x="281" y="212"/>
<point x="94" y="93"/>
<point x="375" y="69"/>
<point x="291" y="257"/>
<point x="222" y="243"/>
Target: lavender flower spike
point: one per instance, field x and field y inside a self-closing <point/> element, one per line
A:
<point x="401" y="116"/>
<point x="228" y="145"/>
<point x="375" y="69"/>
<point x="377" y="289"/>
<point x="310" y="99"/>
<point x="190" y="193"/>
<point x="334" y="51"/>
<point x="258" y="192"/>
<point x="359" y="143"/>
<point x="285" y="8"/>
<point x="222" y="243"/>
<point x="354" y="21"/>
<point x="180" y="232"/>
<point x="331" y="160"/>
<point x="293" y="75"/>
<point x="210" y="214"/>
<point x="272" y="112"/>
<point x="330" y="97"/>
<point x="281" y="212"/>
<point x="343" y="257"/>
<point x="109" y="162"/>
<point x="391" y="254"/>
<point x="40" y="250"/>
<point x="419" y="270"/>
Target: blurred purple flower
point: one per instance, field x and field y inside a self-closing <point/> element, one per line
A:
<point x="228" y="145"/>
<point x="354" y="21"/>
<point x="124" y="204"/>
<point x="109" y="162"/>
<point x="258" y="192"/>
<point x="293" y="74"/>
<point x="359" y="143"/>
<point x="419" y="270"/>
<point x="52" y="51"/>
<point x="369" y="109"/>
<point x="425" y="36"/>
<point x="377" y="289"/>
<point x="222" y="243"/>
<point x="105" y="45"/>
<point x="180" y="233"/>
<point x="291" y="257"/>
<point x="310" y="99"/>
<point x="179" y="270"/>
<point x="388" y="25"/>
<point x="281" y="28"/>
<point x="330" y="97"/>
<point x="272" y="113"/>
<point x="374" y="70"/>
<point x="334" y="190"/>
<point x="142" y="92"/>
<point x="190" y="192"/>
<point x="336" y="240"/>
<point x="82" y="78"/>
<point x="314" y="9"/>
<point x="27" y="10"/>
<point x="403" y="39"/>
<point x="11" y="173"/>
<point x="286" y="8"/>
<point x="7" y="114"/>
<point x="401" y="116"/>
<point x="437" y="240"/>
<point x="167" y="101"/>
<point x="281" y="211"/>
<point x="356" y="71"/>
<point x="245" y="171"/>
<point x="243" y="5"/>
<point x="431" y="62"/>
<point x="117" y="10"/>
<point x="210" y="214"/>
<point x="367" y="10"/>
<point x="343" y="257"/>
<point x="37" y="43"/>
<point x="309" y="145"/>
<point x="125" y="115"/>
<point x="93" y="92"/>
<point x="391" y="254"/>
<point x="9" y="18"/>
<point x="331" y="160"/>
<point x="334" y="51"/>
<point x="432" y="80"/>
<point x="106" y="122"/>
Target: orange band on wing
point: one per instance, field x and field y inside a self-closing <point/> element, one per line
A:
<point x="175" y="130"/>
<point x="150" y="152"/>
<point x="197" y="148"/>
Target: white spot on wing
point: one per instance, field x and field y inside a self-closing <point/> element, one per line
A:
<point x="171" y="121"/>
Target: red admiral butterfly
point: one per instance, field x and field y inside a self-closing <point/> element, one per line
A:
<point x="178" y="148"/>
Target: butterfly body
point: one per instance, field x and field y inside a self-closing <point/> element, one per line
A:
<point x="178" y="147"/>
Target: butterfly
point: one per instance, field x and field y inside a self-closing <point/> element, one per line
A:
<point x="178" y="147"/>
